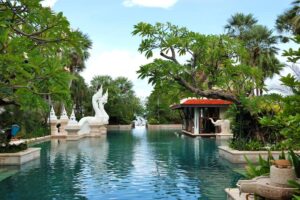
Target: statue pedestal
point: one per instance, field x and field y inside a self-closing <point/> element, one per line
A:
<point x="53" y="127"/>
<point x="72" y="132"/>
<point x="63" y="125"/>
<point x="97" y="129"/>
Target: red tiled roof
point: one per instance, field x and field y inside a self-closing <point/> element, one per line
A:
<point x="206" y="102"/>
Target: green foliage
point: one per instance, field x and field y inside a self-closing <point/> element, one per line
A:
<point x="259" y="42"/>
<point x="296" y="162"/>
<point x="5" y="147"/>
<point x="81" y="97"/>
<point x="37" y="48"/>
<point x="262" y="169"/>
<point x="247" y="145"/>
<point x="214" y="68"/>
<point x="159" y="102"/>
<point x="282" y="156"/>
<point x="32" y="59"/>
<point x="289" y="20"/>
<point x="291" y="82"/>
<point x="229" y="67"/>
<point x="33" y="123"/>
<point x="248" y="122"/>
<point x="295" y="184"/>
<point x="286" y="122"/>
<point x="13" y="148"/>
<point x="153" y="121"/>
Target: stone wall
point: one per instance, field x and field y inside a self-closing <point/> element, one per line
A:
<point x="119" y="127"/>
<point x="165" y="126"/>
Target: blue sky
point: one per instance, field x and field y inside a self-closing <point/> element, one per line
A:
<point x="109" y="24"/>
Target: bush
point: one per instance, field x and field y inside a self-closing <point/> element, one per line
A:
<point x="13" y="148"/>
<point x="244" y="145"/>
<point x="153" y="121"/>
<point x="5" y="147"/>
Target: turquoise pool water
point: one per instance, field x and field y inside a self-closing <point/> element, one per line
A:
<point x="124" y="165"/>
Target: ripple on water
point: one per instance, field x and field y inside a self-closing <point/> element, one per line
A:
<point x="157" y="165"/>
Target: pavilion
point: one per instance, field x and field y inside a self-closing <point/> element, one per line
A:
<point x="196" y="112"/>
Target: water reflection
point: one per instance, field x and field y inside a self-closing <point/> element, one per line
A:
<point x="126" y="165"/>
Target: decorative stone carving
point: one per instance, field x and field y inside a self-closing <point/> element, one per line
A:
<point x="224" y="124"/>
<point x="64" y="115"/>
<point x="101" y="118"/>
<point x="53" y="121"/>
<point x="72" y="120"/>
<point x="273" y="187"/>
<point x="52" y="114"/>
<point x="64" y="119"/>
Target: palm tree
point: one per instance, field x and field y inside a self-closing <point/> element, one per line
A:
<point x="289" y="21"/>
<point x="78" y="53"/>
<point x="259" y="41"/>
<point x="239" y="24"/>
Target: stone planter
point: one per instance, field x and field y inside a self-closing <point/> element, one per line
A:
<point x="19" y="158"/>
<point x="235" y="156"/>
<point x="282" y="175"/>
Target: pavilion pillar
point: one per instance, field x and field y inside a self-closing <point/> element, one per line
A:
<point x="184" y="111"/>
<point x="201" y="121"/>
<point x="196" y="121"/>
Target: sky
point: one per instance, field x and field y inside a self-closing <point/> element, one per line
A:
<point x="109" y="24"/>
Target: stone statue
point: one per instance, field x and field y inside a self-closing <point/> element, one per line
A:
<point x="101" y="117"/>
<point x="224" y="124"/>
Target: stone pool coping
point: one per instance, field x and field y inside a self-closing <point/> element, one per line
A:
<point x="38" y="139"/>
<point x="119" y="127"/>
<point x="19" y="158"/>
<point x="238" y="157"/>
<point x="234" y="194"/>
<point x="164" y="126"/>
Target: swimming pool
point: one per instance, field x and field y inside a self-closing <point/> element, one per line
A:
<point x="137" y="164"/>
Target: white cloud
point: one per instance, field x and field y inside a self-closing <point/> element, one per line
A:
<point x="48" y="3"/>
<point x="118" y="63"/>
<point x="150" y="3"/>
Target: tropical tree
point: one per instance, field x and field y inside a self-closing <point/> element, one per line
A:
<point x="239" y="24"/>
<point x="259" y="41"/>
<point x="34" y="54"/>
<point x="214" y="69"/>
<point x="79" y="53"/>
<point x="289" y="21"/>
<point x="158" y="104"/>
<point x="81" y="97"/>
<point x="286" y="122"/>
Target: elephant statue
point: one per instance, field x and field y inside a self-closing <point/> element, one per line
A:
<point x="224" y="124"/>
